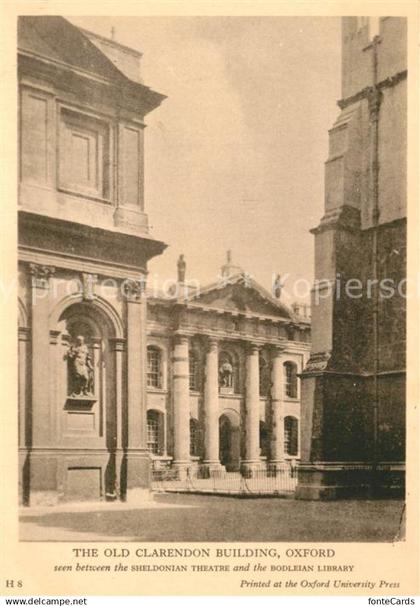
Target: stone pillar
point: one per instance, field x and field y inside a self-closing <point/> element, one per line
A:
<point x="24" y="336"/>
<point x="211" y="407"/>
<point x="252" y="445"/>
<point x="118" y="347"/>
<point x="181" y="400"/>
<point x="135" y="475"/>
<point x="277" y="401"/>
<point x="43" y="471"/>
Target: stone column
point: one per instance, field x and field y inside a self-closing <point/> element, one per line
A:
<point x="181" y="400"/>
<point x="211" y="407"/>
<point x="277" y="401"/>
<point x="24" y="336"/>
<point x="252" y="447"/>
<point x="43" y="473"/>
<point x="135" y="474"/>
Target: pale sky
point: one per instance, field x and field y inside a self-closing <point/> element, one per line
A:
<point x="235" y="155"/>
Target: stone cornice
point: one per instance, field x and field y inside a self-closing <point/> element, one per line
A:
<point x="220" y="335"/>
<point x="119" y="91"/>
<point x="75" y="263"/>
<point x="344" y="217"/>
<point x="321" y="364"/>
<point x="207" y="309"/>
<point x="68" y="239"/>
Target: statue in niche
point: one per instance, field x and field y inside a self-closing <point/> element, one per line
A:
<point x="226" y="374"/>
<point x="80" y="368"/>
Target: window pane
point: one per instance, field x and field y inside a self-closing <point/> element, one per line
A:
<point x="153" y="431"/>
<point x="153" y="367"/>
<point x="194" y="369"/>
<point x="194" y="438"/>
<point x="291" y="436"/>
<point x="290" y="379"/>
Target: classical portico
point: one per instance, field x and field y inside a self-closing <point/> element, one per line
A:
<point x="228" y="397"/>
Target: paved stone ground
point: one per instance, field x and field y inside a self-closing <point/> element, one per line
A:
<point x="192" y="517"/>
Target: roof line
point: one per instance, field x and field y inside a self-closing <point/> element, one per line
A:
<point x="128" y="49"/>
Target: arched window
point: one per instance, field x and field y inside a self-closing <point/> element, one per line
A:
<point x="154" y="432"/>
<point x="265" y="382"/>
<point x="194" y="438"/>
<point x="264" y="440"/>
<point x="194" y="370"/>
<point x="290" y="379"/>
<point x="291" y="426"/>
<point x="154" y="367"/>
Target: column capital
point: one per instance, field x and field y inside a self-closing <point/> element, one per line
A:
<point x="133" y="290"/>
<point x="40" y="275"/>
<point x="253" y="349"/>
<point x="181" y="339"/>
<point x="278" y="350"/>
<point x="212" y="343"/>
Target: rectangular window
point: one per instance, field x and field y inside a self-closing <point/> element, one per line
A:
<point x="194" y="383"/>
<point x="290" y="379"/>
<point x="84" y="153"/>
<point x="291" y="436"/>
<point x="153" y="368"/>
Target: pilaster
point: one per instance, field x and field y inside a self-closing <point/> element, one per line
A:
<point x="181" y="403"/>
<point x="135" y="473"/>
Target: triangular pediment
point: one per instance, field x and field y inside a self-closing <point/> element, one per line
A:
<point x="243" y="295"/>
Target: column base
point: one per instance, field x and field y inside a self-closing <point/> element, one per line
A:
<point x="279" y="465"/>
<point x="182" y="468"/>
<point x="251" y="468"/>
<point x="213" y="467"/>
<point x="337" y="480"/>
<point x="134" y="472"/>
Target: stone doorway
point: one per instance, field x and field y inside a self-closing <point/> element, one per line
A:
<point x="229" y="447"/>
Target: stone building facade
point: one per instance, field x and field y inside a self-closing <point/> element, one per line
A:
<point x="111" y="378"/>
<point x="83" y="251"/>
<point x="223" y="376"/>
<point x="353" y="388"/>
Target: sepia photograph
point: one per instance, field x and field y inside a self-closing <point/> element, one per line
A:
<point x="212" y="278"/>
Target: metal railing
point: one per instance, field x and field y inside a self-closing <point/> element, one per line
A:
<point x="200" y="479"/>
